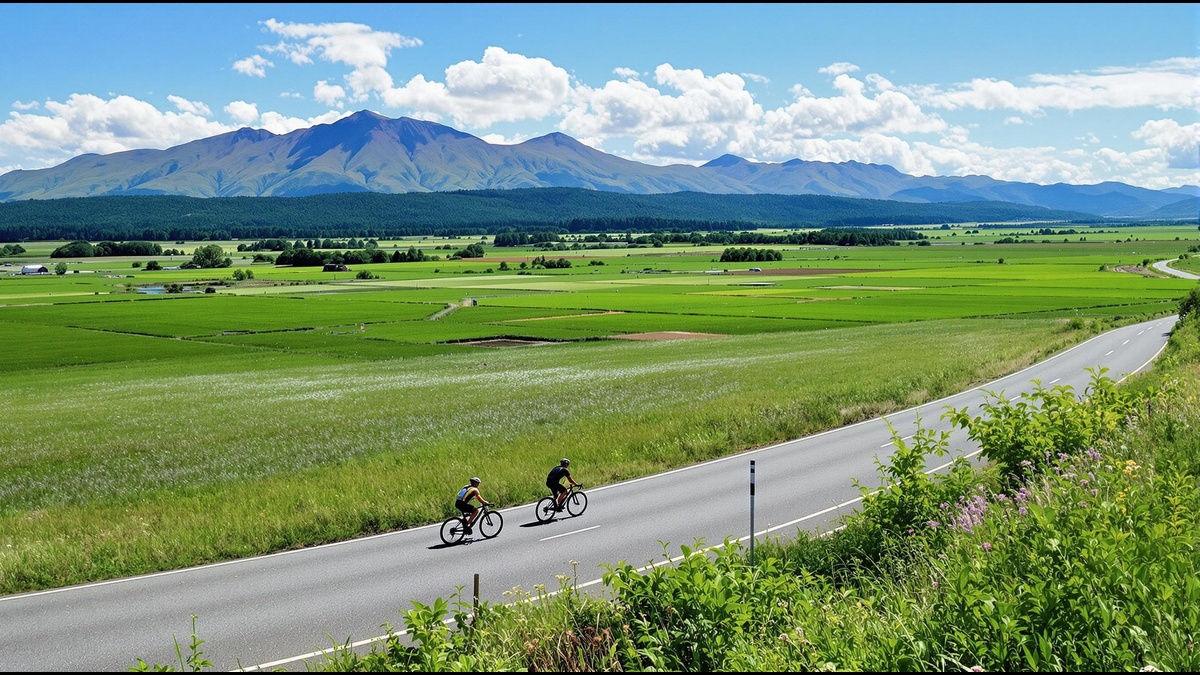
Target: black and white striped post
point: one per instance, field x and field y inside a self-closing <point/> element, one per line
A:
<point x="751" y="512"/>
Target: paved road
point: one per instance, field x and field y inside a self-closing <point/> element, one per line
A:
<point x="271" y="611"/>
<point x="1165" y="266"/>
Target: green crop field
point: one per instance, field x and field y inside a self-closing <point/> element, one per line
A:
<point x="148" y="430"/>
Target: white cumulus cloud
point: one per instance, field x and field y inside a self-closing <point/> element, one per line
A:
<point x="242" y="112"/>
<point x="85" y="123"/>
<point x="503" y="87"/>
<point x="1178" y="144"/>
<point x="192" y="107"/>
<point x="254" y="66"/>
<point x="1167" y="85"/>
<point x="329" y="94"/>
<point x="365" y="50"/>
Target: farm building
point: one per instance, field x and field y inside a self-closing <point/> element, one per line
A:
<point x="334" y="267"/>
<point x="34" y="269"/>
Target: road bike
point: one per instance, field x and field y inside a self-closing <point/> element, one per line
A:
<point x="488" y="524"/>
<point x="575" y="504"/>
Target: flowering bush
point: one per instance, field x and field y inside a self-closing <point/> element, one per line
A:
<point x="1020" y="435"/>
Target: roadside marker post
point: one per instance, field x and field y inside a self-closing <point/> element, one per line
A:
<point x="475" y="601"/>
<point x="751" y="512"/>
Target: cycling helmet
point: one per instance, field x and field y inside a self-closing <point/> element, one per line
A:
<point x="475" y="481"/>
<point x="564" y="461"/>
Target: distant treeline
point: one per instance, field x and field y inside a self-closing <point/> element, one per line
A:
<point x="83" y="249"/>
<point x="834" y="236"/>
<point x="474" y="213"/>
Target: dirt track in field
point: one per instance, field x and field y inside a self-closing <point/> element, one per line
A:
<point x="667" y="335"/>
<point x="658" y="335"/>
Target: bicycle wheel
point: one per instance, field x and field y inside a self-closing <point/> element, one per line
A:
<point x="453" y="530"/>
<point x="490" y="524"/>
<point x="545" y="510"/>
<point x="576" y="503"/>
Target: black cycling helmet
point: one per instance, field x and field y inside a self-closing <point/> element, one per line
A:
<point x="475" y="481"/>
<point x="564" y="461"/>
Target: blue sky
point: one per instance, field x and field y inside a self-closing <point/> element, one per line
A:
<point x="1028" y="92"/>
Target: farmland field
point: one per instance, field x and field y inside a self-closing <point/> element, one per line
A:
<point x="146" y="430"/>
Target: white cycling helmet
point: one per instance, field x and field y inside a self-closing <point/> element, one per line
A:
<point x="474" y="481"/>
<point x="564" y="461"/>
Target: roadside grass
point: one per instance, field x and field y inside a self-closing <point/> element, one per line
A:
<point x="1190" y="263"/>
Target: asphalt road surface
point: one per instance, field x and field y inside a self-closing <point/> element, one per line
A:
<point x="278" y="611"/>
<point x="1165" y="266"/>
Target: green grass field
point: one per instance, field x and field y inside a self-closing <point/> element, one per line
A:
<point x="153" y="431"/>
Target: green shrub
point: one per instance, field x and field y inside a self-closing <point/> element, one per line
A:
<point x="910" y="497"/>
<point x="1189" y="303"/>
<point x="1024" y="435"/>
<point x="699" y="614"/>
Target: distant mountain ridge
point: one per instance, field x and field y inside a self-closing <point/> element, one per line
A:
<point x="367" y="152"/>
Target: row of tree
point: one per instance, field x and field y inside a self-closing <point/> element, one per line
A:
<point x="84" y="249"/>
<point x="285" y="245"/>
<point x="750" y="255"/>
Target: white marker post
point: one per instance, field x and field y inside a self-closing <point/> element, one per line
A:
<point x="751" y="512"/>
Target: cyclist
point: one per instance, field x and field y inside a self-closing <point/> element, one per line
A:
<point x="463" y="502"/>
<point x="554" y="482"/>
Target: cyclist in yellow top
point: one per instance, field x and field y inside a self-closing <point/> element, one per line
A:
<point x="462" y="502"/>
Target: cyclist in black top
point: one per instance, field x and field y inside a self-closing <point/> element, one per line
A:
<point x="554" y="482"/>
<point x="463" y="499"/>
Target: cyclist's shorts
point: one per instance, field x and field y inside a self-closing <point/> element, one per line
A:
<point x="555" y="487"/>
<point x="463" y="506"/>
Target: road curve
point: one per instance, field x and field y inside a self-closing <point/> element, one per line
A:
<point x="275" y="611"/>
<point x="1165" y="266"/>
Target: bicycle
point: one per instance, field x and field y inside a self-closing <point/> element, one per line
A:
<point x="488" y="523"/>
<point x="575" y="503"/>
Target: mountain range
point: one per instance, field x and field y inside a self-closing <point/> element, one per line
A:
<point x="367" y="152"/>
